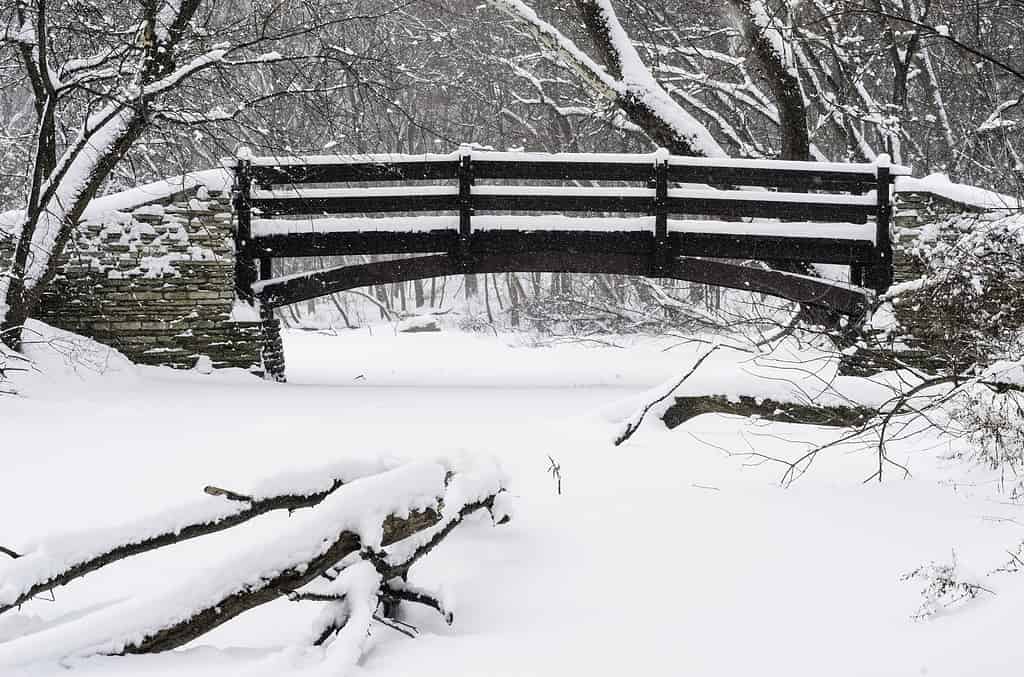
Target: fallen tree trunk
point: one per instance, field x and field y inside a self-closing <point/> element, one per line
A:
<point x="390" y="519"/>
<point x="221" y="611"/>
<point x="53" y="564"/>
<point x="686" y="408"/>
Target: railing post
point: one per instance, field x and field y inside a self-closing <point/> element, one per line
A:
<point x="880" y="274"/>
<point x="661" y="248"/>
<point x="245" y="266"/>
<point x="465" y="202"/>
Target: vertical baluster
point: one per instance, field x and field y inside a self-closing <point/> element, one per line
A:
<point x="465" y="202"/>
<point x="245" y="266"/>
<point x="661" y="248"/>
<point x="881" y="272"/>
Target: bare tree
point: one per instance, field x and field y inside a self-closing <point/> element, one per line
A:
<point x="104" y="78"/>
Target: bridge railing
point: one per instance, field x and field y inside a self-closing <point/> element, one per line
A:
<point x="806" y="211"/>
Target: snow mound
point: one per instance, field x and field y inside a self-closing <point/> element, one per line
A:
<point x="418" y="323"/>
<point x="53" y="360"/>
<point x="217" y="179"/>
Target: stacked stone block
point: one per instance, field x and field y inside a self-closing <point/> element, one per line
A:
<point x="273" y="346"/>
<point x="157" y="283"/>
<point x="928" y="330"/>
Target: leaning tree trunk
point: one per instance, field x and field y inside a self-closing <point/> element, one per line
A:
<point x="666" y="123"/>
<point x="769" y="50"/>
<point x="47" y="227"/>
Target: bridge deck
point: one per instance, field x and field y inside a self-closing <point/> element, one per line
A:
<point x="652" y="215"/>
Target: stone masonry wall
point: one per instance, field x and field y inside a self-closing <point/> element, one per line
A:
<point x="157" y="283"/>
<point x="926" y="333"/>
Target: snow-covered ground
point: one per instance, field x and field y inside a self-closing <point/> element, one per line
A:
<point x="663" y="556"/>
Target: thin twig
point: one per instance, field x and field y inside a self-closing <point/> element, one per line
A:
<point x="633" y="426"/>
<point x="10" y="553"/>
<point x="226" y="493"/>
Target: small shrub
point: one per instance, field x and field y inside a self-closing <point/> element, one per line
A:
<point x="944" y="588"/>
<point x="991" y="424"/>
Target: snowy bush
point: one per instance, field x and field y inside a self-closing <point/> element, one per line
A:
<point x="944" y="588"/>
<point x="992" y="425"/>
<point x="969" y="300"/>
<point x="475" y="324"/>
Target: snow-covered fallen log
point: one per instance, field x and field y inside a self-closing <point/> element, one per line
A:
<point x="782" y="383"/>
<point x="387" y="519"/>
<point x="685" y="408"/>
<point x="62" y="558"/>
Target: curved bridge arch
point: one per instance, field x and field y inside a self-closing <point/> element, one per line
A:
<point x="798" y="288"/>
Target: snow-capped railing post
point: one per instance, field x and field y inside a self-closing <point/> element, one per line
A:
<point x="880" y="274"/>
<point x="245" y="266"/>
<point x="465" y="201"/>
<point x="661" y="250"/>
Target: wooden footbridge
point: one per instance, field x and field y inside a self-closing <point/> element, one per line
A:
<point x="655" y="215"/>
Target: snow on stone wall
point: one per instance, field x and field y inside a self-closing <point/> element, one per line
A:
<point x="156" y="280"/>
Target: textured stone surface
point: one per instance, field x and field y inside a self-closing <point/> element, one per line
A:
<point x="971" y="298"/>
<point x="157" y="284"/>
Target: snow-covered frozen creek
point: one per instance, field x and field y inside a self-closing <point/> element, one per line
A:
<point x="664" y="556"/>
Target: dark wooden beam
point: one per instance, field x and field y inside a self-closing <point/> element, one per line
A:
<point x="581" y="201"/>
<point x="712" y="245"/>
<point x="796" y="288"/>
<point x="578" y="202"/>
<point x="354" y="172"/>
<point x="773" y="209"/>
<point x="360" y="242"/>
<point x="771" y="248"/>
<point x="562" y="171"/>
<point x="785" y="179"/>
<point x="356" y="204"/>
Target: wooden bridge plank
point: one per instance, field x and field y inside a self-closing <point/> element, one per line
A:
<point x="484" y="168"/>
<point x="354" y="172"/>
<point x="774" y="209"/>
<point x="578" y="202"/>
<point x="788" y="179"/>
<point x="771" y="248"/>
<point x="532" y="199"/>
<point x="713" y="245"/>
<point x="280" y="206"/>
<point x="362" y="242"/>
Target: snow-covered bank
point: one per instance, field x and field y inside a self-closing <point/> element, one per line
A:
<point x="663" y="557"/>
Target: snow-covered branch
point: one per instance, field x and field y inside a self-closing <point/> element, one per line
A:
<point x="632" y="86"/>
<point x="361" y="535"/>
<point x="60" y="559"/>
